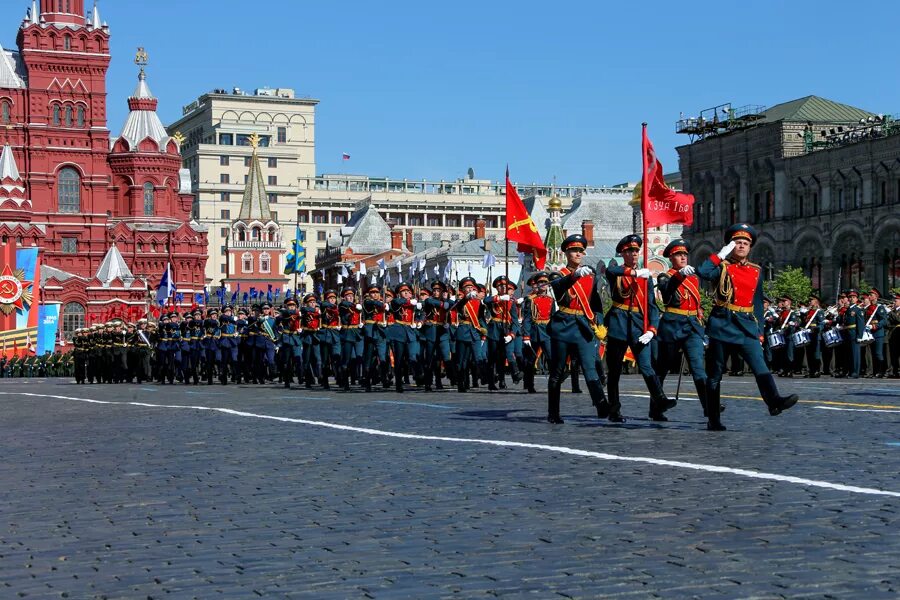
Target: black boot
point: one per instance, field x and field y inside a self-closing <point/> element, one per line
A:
<point x="553" y="394"/>
<point x="615" y="406"/>
<point x="714" y="422"/>
<point x="659" y="402"/>
<point x="769" y="391"/>
<point x="529" y="381"/>
<point x="598" y="398"/>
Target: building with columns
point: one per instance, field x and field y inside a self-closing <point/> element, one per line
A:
<point x="819" y="178"/>
<point x="107" y="213"/>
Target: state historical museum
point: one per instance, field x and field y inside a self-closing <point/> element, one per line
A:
<point x="108" y="213"/>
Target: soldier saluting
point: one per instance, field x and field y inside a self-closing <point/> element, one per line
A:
<point x="736" y="321"/>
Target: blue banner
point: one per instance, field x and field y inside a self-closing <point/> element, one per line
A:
<point x="48" y="322"/>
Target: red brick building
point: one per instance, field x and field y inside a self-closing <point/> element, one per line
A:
<point x="108" y="213"/>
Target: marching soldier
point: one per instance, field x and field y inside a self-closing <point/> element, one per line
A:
<point x="783" y="356"/>
<point x="502" y="328"/>
<point x="330" y="337"/>
<point x="625" y="324"/>
<point x="80" y="352"/>
<point x="573" y="332"/>
<point x="893" y="327"/>
<point x="229" y="338"/>
<point x="813" y="321"/>
<point x="245" y="352"/>
<point x="680" y="328"/>
<point x="469" y="330"/>
<point x="352" y="337"/>
<point x="852" y="325"/>
<point x="436" y="334"/>
<point x="210" y="343"/>
<point x="193" y="333"/>
<point x="375" y="348"/>
<point x="403" y="337"/>
<point x="876" y="320"/>
<point x="537" y="309"/>
<point x="311" y="319"/>
<point x="736" y="320"/>
<point x="290" y="329"/>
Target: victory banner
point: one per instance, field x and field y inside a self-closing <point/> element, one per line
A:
<point x="19" y="300"/>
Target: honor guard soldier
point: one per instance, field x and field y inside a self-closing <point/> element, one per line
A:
<point x="573" y="331"/>
<point x="785" y="324"/>
<point x="311" y="320"/>
<point x="229" y="338"/>
<point x="352" y="337"/>
<point x="537" y="310"/>
<point x="852" y="326"/>
<point x="289" y="328"/>
<point x="770" y="315"/>
<point x="403" y="336"/>
<point x="243" y="359"/>
<point x="436" y="335"/>
<point x="330" y="337"/>
<point x="632" y="292"/>
<point x="812" y="321"/>
<point x="680" y="329"/>
<point x="266" y="349"/>
<point x="469" y="331"/>
<point x="375" y="348"/>
<point x="875" y="321"/>
<point x="502" y="328"/>
<point x="210" y="343"/>
<point x="736" y="321"/>
<point x="893" y="328"/>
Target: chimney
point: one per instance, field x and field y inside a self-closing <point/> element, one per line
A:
<point x="396" y="239"/>
<point x="587" y="230"/>
<point x="480" y="224"/>
<point x="409" y="240"/>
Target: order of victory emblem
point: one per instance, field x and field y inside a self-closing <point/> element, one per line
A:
<point x="14" y="292"/>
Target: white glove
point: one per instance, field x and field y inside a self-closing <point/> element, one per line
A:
<point x="452" y="298"/>
<point x="868" y="328"/>
<point x="838" y="327"/>
<point x="361" y="325"/>
<point x="507" y="339"/>
<point x="583" y="271"/>
<point x="642" y="273"/>
<point x="687" y="271"/>
<point x="472" y="294"/>
<point x="504" y="297"/>
<point x="520" y="300"/>
<point x="726" y="250"/>
<point x="416" y="304"/>
<point x="359" y="307"/>
<point x="527" y="343"/>
<point x="645" y="339"/>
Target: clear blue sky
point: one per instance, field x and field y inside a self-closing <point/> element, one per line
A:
<point x="428" y="89"/>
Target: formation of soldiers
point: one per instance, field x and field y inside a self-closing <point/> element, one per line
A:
<point x="372" y="336"/>
<point x="55" y="364"/>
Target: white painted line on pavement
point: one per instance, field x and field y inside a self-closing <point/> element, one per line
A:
<point x="875" y="410"/>
<point x="502" y="443"/>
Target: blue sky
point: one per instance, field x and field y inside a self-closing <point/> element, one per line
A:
<point x="429" y="89"/>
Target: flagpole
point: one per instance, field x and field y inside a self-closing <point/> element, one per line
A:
<point x="645" y="189"/>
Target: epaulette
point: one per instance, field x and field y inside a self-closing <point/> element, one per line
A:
<point x="754" y="265"/>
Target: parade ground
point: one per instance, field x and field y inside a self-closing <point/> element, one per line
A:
<point x="147" y="491"/>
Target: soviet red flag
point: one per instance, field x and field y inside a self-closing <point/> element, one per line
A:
<point x="660" y="204"/>
<point x="520" y="226"/>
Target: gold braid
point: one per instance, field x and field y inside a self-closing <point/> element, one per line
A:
<point x="725" y="289"/>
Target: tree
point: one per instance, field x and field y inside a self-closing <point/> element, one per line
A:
<point x="792" y="282"/>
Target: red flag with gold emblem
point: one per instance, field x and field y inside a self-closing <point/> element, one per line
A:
<point x="660" y="204"/>
<point x="520" y="226"/>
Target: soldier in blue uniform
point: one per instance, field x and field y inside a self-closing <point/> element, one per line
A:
<point x="875" y="321"/>
<point x="573" y="331"/>
<point x="813" y="320"/>
<point x="352" y="337"/>
<point x="680" y="329"/>
<point x="537" y="310"/>
<point x="852" y="325"/>
<point x="470" y="328"/>
<point x="625" y="323"/>
<point x="436" y="334"/>
<point x="195" y="352"/>
<point x="289" y="329"/>
<point x="403" y="336"/>
<point x="736" y="320"/>
<point x="244" y="350"/>
<point x="311" y="319"/>
<point x="330" y="337"/>
<point x="502" y="329"/>
<point x="229" y="337"/>
<point x="172" y="364"/>
<point x="210" y="343"/>
<point x="375" y="348"/>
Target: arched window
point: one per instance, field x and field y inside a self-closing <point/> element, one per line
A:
<point x="265" y="263"/>
<point x="69" y="191"/>
<point x="254" y="234"/>
<point x="72" y="319"/>
<point x="56" y="115"/>
<point x="67" y="42"/>
<point x="246" y="263"/>
<point x="81" y="116"/>
<point x="149" y="200"/>
<point x="5" y="111"/>
<point x="68" y="116"/>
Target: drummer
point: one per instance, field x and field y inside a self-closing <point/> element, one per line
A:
<point x="770" y="315"/>
<point x="812" y="322"/>
<point x="852" y="326"/>
<point x="783" y="348"/>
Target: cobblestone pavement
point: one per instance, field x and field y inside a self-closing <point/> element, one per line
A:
<point x="130" y="501"/>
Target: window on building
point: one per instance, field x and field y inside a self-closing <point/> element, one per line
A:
<point x="246" y="263"/>
<point x="224" y="161"/>
<point x="857" y="197"/>
<point x="149" y="200"/>
<point x="303" y="218"/>
<point x="265" y="263"/>
<point x="68" y="116"/>
<point x="223" y="232"/>
<point x="320" y="217"/>
<point x="770" y="206"/>
<point x="5" y="111"/>
<point x="226" y="139"/>
<point x="273" y="180"/>
<point x="243" y="139"/>
<point x="273" y="162"/>
<point x="839" y="205"/>
<point x="246" y="179"/>
<point x="247" y="161"/>
<point x="338" y="219"/>
<point x="415" y="221"/>
<point x="67" y="42"/>
<point x="69" y="191"/>
<point x="434" y="221"/>
<point x="321" y="235"/>
<point x="222" y="268"/>
<point x="451" y="221"/>
<point x="700" y="222"/>
<point x="225" y="196"/>
<point x="70" y="245"/>
<point x="224" y="178"/>
<point x="273" y="198"/>
<point x="469" y="221"/>
<point x="140" y="246"/>
<point x="72" y="319"/>
<point x="801" y="199"/>
<point x="814" y="209"/>
<point x="226" y="214"/>
<point x="282" y="135"/>
<point x="710" y="215"/>
<point x="883" y="198"/>
<point x="80" y="120"/>
<point x="56" y="115"/>
<point x="222" y="250"/>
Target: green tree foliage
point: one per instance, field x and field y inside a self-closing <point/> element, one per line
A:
<point x="792" y="282"/>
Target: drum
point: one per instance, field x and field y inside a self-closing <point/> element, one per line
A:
<point x="832" y="338"/>
<point x="866" y="339"/>
<point x="801" y="338"/>
<point x="776" y="340"/>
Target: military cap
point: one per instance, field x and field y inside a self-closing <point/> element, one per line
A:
<point x="373" y="288"/>
<point x="554" y="275"/>
<point x="174" y="313"/>
<point x="875" y="291"/>
<point x="481" y="287"/>
<point x="211" y="311"/>
<point x="538" y="277"/>
<point x="676" y="246"/>
<point x="388" y="293"/>
<point x="816" y="296"/>
<point x="141" y="321"/>
<point x="785" y="297"/>
<point x="265" y="305"/>
<point x="467" y="281"/>
<point x="576" y="241"/>
<point x="437" y="283"/>
<point x="627" y="242"/>
<point x="242" y="311"/>
<point x="852" y="292"/>
<point x="500" y="279"/>
<point x="741" y="231"/>
<point x="843" y="294"/>
<point x="767" y="298"/>
<point x="309" y="297"/>
<point x="255" y="307"/>
<point x="402" y="287"/>
<point x="227" y="307"/>
<point x="347" y="290"/>
<point x="291" y="300"/>
<point x="424" y="293"/>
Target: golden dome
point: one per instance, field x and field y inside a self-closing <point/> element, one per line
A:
<point x="555" y="203"/>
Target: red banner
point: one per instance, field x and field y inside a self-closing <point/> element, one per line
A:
<point x="660" y="204"/>
<point x="520" y="226"/>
